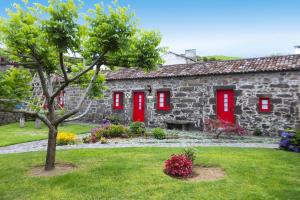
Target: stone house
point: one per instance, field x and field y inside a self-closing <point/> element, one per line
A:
<point x="256" y="93"/>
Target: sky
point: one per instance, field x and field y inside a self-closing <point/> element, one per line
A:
<point x="244" y="28"/>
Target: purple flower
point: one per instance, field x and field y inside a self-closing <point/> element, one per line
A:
<point x="285" y="143"/>
<point x="286" y="134"/>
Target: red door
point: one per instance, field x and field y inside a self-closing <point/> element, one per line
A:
<point x="225" y="105"/>
<point x="139" y="106"/>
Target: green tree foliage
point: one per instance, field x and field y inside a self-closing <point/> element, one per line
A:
<point x="216" y="58"/>
<point x="14" y="87"/>
<point x="40" y="38"/>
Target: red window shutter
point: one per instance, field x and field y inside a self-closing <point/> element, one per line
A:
<point x="118" y="103"/>
<point x="163" y="100"/>
<point x="264" y="104"/>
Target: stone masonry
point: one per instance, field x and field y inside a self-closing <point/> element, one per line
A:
<point x="194" y="97"/>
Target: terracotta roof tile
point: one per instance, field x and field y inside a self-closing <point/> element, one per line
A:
<point x="263" y="64"/>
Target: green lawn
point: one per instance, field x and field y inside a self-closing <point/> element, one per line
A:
<point x="13" y="134"/>
<point x="136" y="173"/>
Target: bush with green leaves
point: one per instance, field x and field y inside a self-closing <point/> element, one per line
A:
<point x="137" y="128"/>
<point x="115" y="131"/>
<point x="114" y="119"/>
<point x="190" y="153"/>
<point x="257" y="132"/>
<point x="296" y="140"/>
<point x="159" y="133"/>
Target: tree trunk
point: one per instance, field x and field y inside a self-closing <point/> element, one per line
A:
<point x="51" y="149"/>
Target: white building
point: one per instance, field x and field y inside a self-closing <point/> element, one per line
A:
<point x="172" y="58"/>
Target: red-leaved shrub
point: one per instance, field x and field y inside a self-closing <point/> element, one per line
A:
<point x="179" y="165"/>
<point x="219" y="126"/>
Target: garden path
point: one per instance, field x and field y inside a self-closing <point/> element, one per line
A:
<point x="146" y="142"/>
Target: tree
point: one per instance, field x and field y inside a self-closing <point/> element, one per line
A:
<point x="37" y="39"/>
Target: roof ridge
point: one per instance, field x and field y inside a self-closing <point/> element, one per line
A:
<point x="239" y="59"/>
<point x="248" y="65"/>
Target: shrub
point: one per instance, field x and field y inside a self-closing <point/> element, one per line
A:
<point x="86" y="139"/>
<point x="257" y="132"/>
<point x="106" y="130"/>
<point x="296" y="139"/>
<point x="65" y="138"/>
<point x="159" y="133"/>
<point x="94" y="138"/>
<point x="218" y="127"/>
<point x="179" y="165"/>
<point x="90" y="139"/>
<point x="97" y="131"/>
<point x="137" y="128"/>
<point x="114" y="119"/>
<point x="115" y="131"/>
<point x="290" y="141"/>
<point x="103" y="140"/>
<point x="190" y="153"/>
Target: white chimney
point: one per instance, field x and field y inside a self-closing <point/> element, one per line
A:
<point x="191" y="53"/>
<point x="297" y="49"/>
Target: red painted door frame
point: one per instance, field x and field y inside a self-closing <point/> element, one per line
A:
<point x="225" y="105"/>
<point x="139" y="106"/>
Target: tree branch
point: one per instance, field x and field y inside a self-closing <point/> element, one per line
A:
<point x="81" y="115"/>
<point x="33" y="114"/>
<point x="40" y="73"/>
<point x="62" y="66"/>
<point x="87" y="91"/>
<point x="87" y="69"/>
<point x="66" y="83"/>
<point x="43" y="81"/>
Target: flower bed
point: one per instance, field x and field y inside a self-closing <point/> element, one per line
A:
<point x="109" y="130"/>
<point x="66" y="138"/>
<point x="290" y="140"/>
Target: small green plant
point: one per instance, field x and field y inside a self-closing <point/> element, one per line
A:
<point x="137" y="128"/>
<point x="114" y="119"/>
<point x="296" y="139"/>
<point x="159" y="133"/>
<point x="257" y="132"/>
<point x="190" y="153"/>
<point x="103" y="140"/>
<point x="115" y="131"/>
<point x="172" y="135"/>
<point x="86" y="139"/>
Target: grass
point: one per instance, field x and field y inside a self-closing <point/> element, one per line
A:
<point x="136" y="173"/>
<point x="13" y="134"/>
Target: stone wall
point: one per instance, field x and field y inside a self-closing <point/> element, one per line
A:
<point x="193" y="98"/>
<point x="6" y="118"/>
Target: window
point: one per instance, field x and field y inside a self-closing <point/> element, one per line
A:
<point x="163" y="100"/>
<point x="225" y="102"/>
<point x="118" y="100"/>
<point x="264" y="105"/>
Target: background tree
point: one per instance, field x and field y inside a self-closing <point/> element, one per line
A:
<point x="39" y="37"/>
